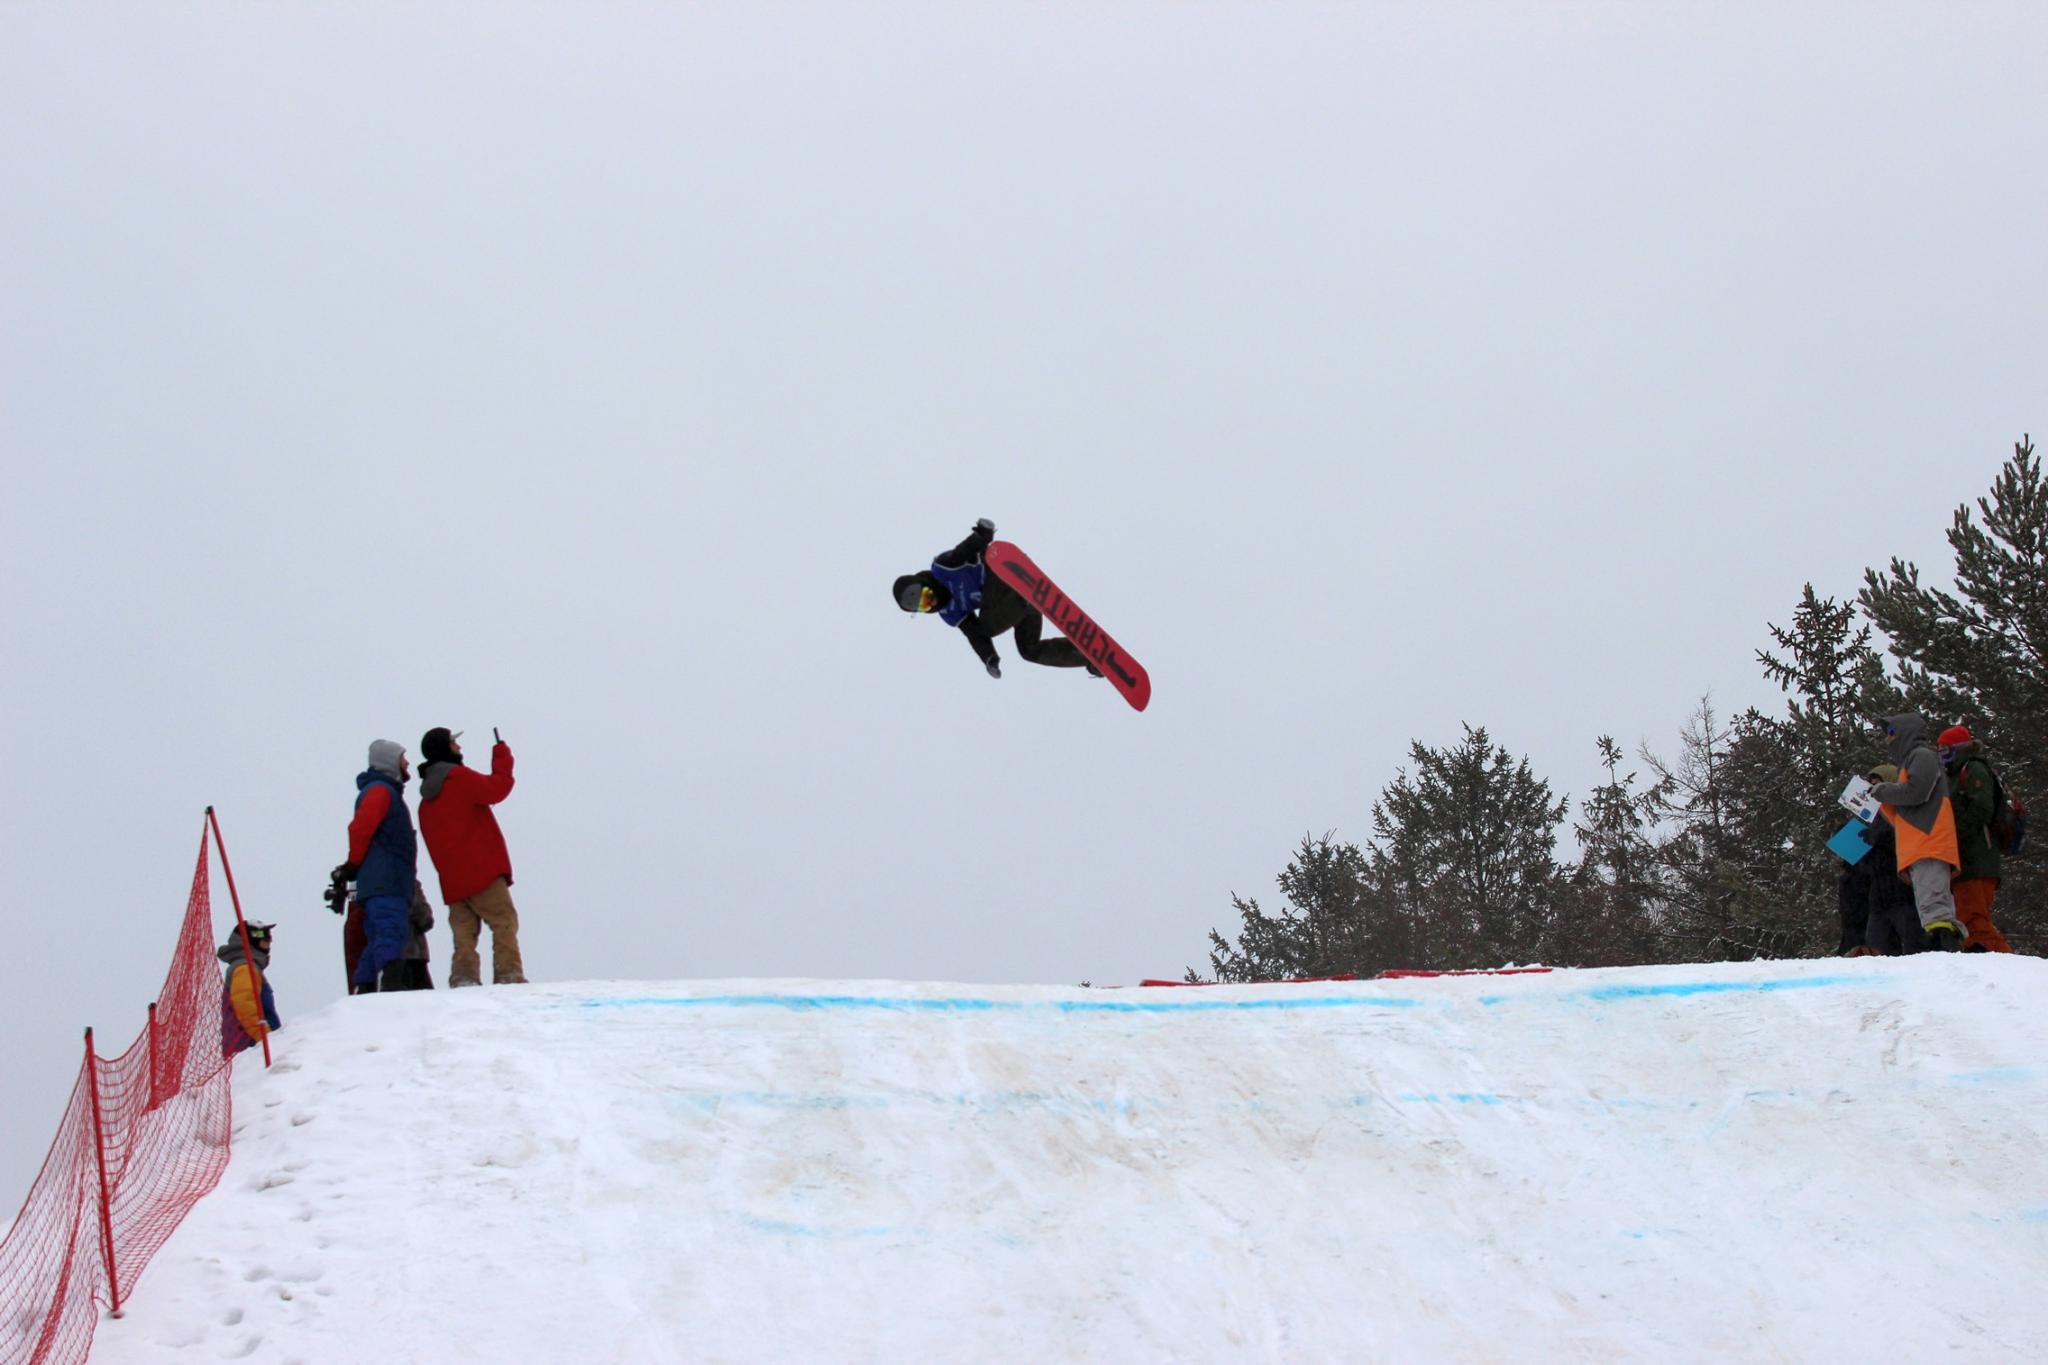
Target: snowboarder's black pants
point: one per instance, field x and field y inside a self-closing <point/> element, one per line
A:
<point x="1003" y="608"/>
<point x="1054" y="653"/>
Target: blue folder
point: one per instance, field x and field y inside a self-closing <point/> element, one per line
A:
<point x="1849" y="844"/>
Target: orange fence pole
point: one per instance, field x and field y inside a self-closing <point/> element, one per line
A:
<point x="248" y="953"/>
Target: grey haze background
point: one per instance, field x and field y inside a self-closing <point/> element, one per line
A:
<point x="591" y="370"/>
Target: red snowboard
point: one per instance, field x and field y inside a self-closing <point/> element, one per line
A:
<point x="1126" y="674"/>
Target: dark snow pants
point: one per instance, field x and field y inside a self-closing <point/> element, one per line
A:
<point x="1894" y="926"/>
<point x="387" y="925"/>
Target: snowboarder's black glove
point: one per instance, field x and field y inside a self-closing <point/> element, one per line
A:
<point x="995" y="668"/>
<point x="985" y="528"/>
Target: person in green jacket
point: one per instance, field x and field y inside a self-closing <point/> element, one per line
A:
<point x="1974" y="798"/>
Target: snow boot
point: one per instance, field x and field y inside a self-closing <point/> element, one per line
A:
<point x="1945" y="936"/>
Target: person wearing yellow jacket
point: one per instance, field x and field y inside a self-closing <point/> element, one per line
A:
<point x="1924" y="823"/>
<point x="248" y="1011"/>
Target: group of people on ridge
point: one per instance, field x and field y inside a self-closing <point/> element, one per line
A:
<point x="384" y="931"/>
<point x="1933" y="869"/>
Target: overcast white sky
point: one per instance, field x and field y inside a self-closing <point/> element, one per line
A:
<point x="591" y="370"/>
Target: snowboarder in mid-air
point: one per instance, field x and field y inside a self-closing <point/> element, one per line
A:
<point x="959" y="590"/>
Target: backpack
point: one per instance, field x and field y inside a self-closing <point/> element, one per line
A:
<point x="2008" y="822"/>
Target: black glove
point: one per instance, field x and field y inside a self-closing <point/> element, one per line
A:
<point x="994" y="667"/>
<point x="336" y="894"/>
<point x="985" y="528"/>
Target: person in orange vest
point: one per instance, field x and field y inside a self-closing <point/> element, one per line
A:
<point x="1923" y="822"/>
<point x="248" y="1012"/>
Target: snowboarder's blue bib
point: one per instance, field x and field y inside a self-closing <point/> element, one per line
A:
<point x="964" y="584"/>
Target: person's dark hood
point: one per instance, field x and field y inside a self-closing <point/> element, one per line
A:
<point x="1907" y="733"/>
<point x="434" y="774"/>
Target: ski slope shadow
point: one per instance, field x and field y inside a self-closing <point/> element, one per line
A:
<point x="1762" y="1161"/>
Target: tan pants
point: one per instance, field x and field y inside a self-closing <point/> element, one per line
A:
<point x="492" y="906"/>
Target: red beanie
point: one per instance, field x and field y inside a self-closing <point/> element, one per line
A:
<point x="1953" y="736"/>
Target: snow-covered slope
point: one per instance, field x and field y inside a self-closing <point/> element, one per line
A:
<point x="1766" y="1161"/>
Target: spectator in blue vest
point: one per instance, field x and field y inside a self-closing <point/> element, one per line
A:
<point x="959" y="591"/>
<point x="383" y="857"/>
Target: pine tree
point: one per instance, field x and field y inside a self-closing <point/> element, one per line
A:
<point x="1699" y="855"/>
<point x="1615" y="899"/>
<point x="1319" y="932"/>
<point x="1467" y="847"/>
<point x="1836" y="695"/>
<point x="1979" y="655"/>
<point x="1792" y="766"/>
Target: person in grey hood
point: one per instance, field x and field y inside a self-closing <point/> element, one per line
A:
<point x="1923" y="826"/>
<point x="383" y="852"/>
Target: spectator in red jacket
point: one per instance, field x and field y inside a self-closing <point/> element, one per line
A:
<point x="469" y="852"/>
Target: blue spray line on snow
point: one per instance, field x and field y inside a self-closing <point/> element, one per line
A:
<point x="2004" y="1075"/>
<point x="983" y="1005"/>
<point x="1684" y="989"/>
<point x="974" y="1005"/>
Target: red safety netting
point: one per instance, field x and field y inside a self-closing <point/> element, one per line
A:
<point x="143" y="1139"/>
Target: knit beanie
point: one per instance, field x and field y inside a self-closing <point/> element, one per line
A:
<point x="386" y="756"/>
<point x="438" y="744"/>
<point x="1954" y="736"/>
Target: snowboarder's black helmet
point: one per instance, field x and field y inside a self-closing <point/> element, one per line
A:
<point x="909" y="593"/>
